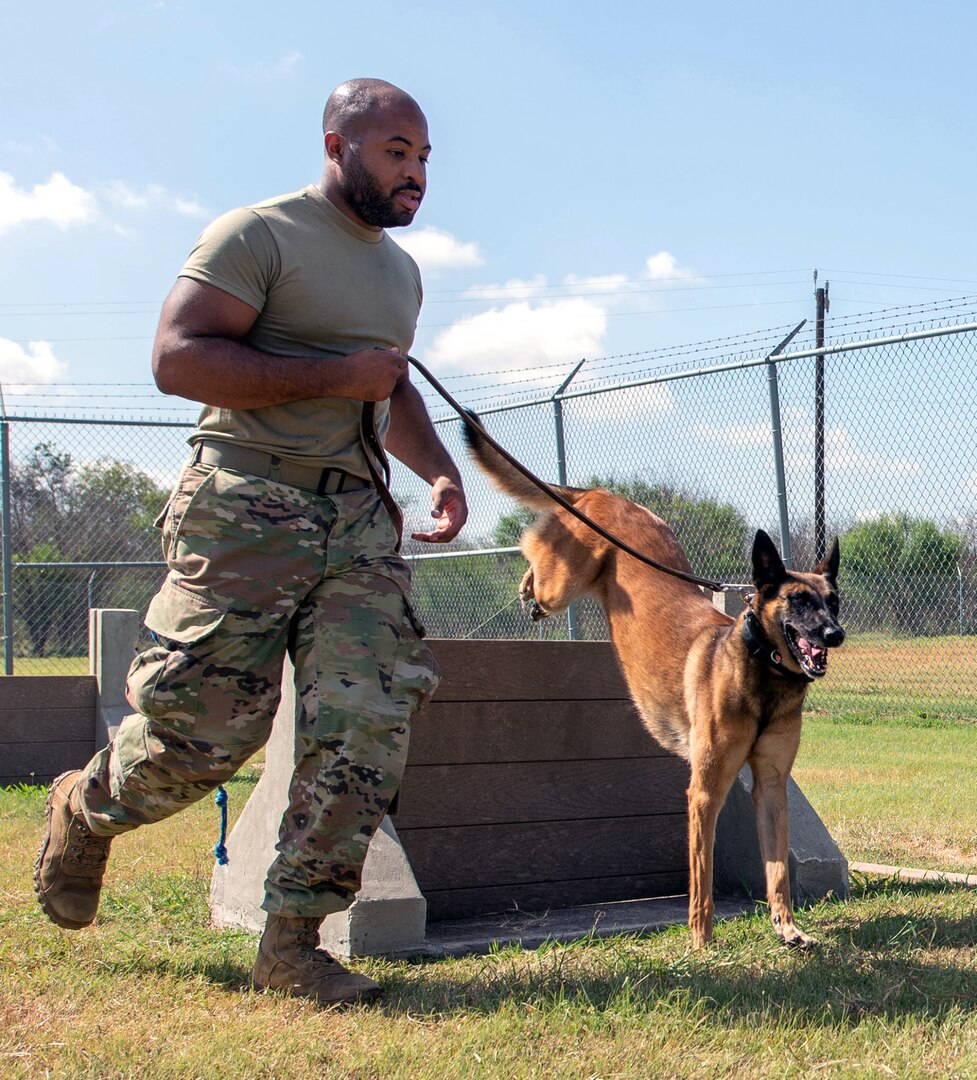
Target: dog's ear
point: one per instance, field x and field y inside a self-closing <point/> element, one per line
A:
<point x="768" y="567"/>
<point x="828" y="566"/>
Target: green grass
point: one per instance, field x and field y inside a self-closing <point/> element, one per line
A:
<point x="895" y="792"/>
<point x="153" y="991"/>
<point x="50" y="665"/>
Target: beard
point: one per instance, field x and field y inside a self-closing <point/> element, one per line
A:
<point x="364" y="195"/>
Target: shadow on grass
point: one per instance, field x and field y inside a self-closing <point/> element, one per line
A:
<point x="901" y="961"/>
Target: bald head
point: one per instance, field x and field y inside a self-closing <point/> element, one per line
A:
<point x="359" y="101"/>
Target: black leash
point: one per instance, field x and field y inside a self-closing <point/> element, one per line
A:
<point x="475" y="425"/>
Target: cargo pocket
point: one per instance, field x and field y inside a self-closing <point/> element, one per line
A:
<point x="415" y="672"/>
<point x="164" y="681"/>
<point x="193" y="482"/>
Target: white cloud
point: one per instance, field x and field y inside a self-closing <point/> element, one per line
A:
<point x="39" y="144"/>
<point x="663" y="266"/>
<point x="841" y="452"/>
<point x="35" y="364"/>
<point x="640" y="404"/>
<point x="842" y="455"/>
<point x="58" y="202"/>
<point x="511" y="290"/>
<point x="435" y="249"/>
<point x="740" y="436"/>
<point x="152" y="197"/>
<point x="535" y="341"/>
<point x="611" y="283"/>
<point x="264" y="72"/>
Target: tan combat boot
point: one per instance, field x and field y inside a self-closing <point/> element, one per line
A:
<point x="289" y="960"/>
<point x="69" y="867"/>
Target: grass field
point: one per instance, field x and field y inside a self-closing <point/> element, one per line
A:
<point x="50" y="665"/>
<point x="152" y="991"/>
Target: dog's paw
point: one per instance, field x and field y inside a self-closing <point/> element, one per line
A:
<point x="795" y="939"/>
<point x="536" y="613"/>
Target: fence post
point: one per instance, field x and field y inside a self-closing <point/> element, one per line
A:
<point x="6" y="542"/>
<point x="820" y="544"/>
<point x="112" y="636"/>
<point x="561" y="471"/>
<point x="778" y="446"/>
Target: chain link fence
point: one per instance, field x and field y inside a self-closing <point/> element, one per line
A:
<point x="884" y="457"/>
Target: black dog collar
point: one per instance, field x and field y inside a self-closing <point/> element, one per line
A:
<point x="760" y="647"/>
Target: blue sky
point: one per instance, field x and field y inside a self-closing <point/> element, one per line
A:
<point x="605" y="179"/>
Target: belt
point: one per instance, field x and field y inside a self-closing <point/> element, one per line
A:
<point x="244" y="459"/>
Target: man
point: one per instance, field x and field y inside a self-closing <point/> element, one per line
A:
<point x="290" y="322"/>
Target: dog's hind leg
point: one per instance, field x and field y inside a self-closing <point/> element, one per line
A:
<point x="771" y="763"/>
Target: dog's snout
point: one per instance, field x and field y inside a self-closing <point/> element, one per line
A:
<point x="834" y="636"/>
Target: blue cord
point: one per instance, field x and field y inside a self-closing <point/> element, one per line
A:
<point x="220" y="851"/>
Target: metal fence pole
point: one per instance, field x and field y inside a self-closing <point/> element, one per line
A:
<point x="561" y="471"/>
<point x="820" y="543"/>
<point x="778" y="447"/>
<point x="6" y="542"/>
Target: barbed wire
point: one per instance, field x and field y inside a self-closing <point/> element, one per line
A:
<point x="518" y="384"/>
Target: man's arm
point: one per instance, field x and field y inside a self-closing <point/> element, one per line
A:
<point x="199" y="354"/>
<point x="411" y="438"/>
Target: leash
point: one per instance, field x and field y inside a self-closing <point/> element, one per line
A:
<point x="476" y="426"/>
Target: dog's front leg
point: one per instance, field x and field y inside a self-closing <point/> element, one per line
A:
<point x="713" y="770"/>
<point x="770" y="773"/>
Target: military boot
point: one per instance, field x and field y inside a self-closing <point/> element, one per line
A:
<point x="289" y="960"/>
<point x="69" y="867"/>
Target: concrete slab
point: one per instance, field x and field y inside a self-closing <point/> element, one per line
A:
<point x="463" y="937"/>
<point x="910" y="873"/>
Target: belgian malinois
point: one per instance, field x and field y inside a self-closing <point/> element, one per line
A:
<point x="718" y="691"/>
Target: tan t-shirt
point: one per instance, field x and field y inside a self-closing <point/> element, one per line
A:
<point x="323" y="286"/>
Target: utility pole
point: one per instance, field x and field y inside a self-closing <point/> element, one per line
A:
<point x="821" y="300"/>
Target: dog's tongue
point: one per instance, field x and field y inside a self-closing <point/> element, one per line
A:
<point x="813" y="651"/>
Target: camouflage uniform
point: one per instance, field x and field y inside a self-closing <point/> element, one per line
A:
<point x="258" y="567"/>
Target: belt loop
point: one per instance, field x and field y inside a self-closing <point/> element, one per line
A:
<point x="274" y="468"/>
<point x="197" y="451"/>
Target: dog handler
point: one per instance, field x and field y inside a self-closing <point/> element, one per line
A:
<point x="290" y="322"/>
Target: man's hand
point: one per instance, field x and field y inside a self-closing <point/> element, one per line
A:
<point x="372" y="374"/>
<point x="449" y="508"/>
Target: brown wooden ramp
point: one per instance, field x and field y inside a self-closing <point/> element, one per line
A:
<point x="47" y="725"/>
<point x="531" y="784"/>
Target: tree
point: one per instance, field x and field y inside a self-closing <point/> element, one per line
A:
<point x="901" y="573"/>
<point x="511" y="526"/>
<point x="99" y="512"/>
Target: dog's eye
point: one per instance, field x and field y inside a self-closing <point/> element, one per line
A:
<point x="834" y="604"/>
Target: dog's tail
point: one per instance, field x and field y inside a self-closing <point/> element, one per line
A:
<point x="506" y="477"/>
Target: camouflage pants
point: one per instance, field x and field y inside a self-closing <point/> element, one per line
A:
<point x="258" y="568"/>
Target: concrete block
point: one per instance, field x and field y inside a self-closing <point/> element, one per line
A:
<point x="817" y="867"/>
<point x="389" y="914"/>
<point x="112" y="634"/>
<point x="729" y="603"/>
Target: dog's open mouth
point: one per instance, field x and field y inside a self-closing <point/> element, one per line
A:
<point x="812" y="658"/>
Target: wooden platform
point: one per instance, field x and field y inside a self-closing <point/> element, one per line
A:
<point x="532" y="784"/>
<point x="47" y="725"/>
